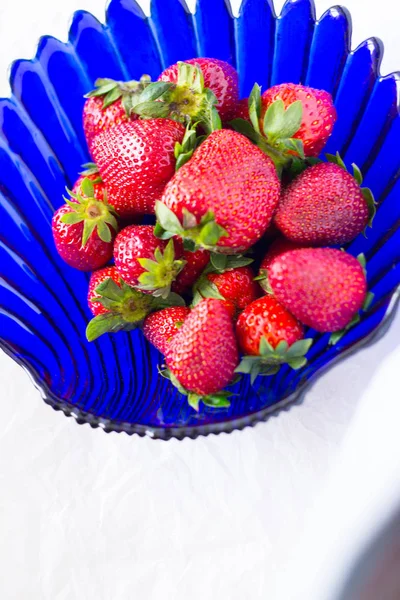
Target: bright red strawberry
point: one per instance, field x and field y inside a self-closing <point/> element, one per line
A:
<point x="136" y="160"/>
<point x="108" y="104"/>
<point x="323" y="206"/>
<point x="203" y="355"/>
<point x="144" y="261"/>
<point x="160" y="327"/>
<point x="223" y="198"/>
<point x="96" y="278"/>
<point x="323" y="287"/>
<point x="269" y="336"/>
<point x="195" y="261"/>
<point x="84" y="230"/>
<point x="236" y="287"/>
<point x="319" y="113"/>
<point x="220" y="77"/>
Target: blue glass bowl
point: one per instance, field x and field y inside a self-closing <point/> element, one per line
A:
<point x="113" y="383"/>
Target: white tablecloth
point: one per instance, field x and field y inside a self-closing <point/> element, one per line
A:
<point x="85" y="515"/>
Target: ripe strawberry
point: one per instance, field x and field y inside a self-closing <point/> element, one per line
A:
<point x="203" y="355"/>
<point x="242" y="110"/>
<point x="278" y="247"/>
<point x="91" y="172"/>
<point x="96" y="278"/>
<point x="223" y="198"/>
<point x="324" y="206"/>
<point x="160" y="327"/>
<point x="323" y="287"/>
<point x="195" y="263"/>
<point x="110" y="103"/>
<point x="84" y="230"/>
<point x="144" y="261"/>
<point x="319" y="114"/>
<point x="220" y="77"/>
<point x="269" y="336"/>
<point x="136" y="160"/>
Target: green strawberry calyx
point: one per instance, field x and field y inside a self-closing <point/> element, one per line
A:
<point x="263" y="281"/>
<point x="336" y="159"/>
<point x="205" y="233"/>
<point x="90" y="169"/>
<point x="217" y="400"/>
<point x="126" y="91"/>
<point x="270" y="359"/>
<point x="184" y="150"/>
<point x="188" y="101"/>
<point x="219" y="263"/>
<point x="274" y="133"/>
<point x="126" y="308"/>
<point x="161" y="272"/>
<point x="96" y="216"/>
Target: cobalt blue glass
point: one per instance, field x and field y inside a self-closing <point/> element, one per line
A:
<point x="113" y="383"/>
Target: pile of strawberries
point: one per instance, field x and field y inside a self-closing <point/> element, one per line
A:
<point x="210" y="223"/>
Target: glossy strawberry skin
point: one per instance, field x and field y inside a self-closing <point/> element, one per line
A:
<point x="323" y="287"/>
<point x="96" y="278"/>
<point x="99" y="188"/>
<point x="133" y="242"/>
<point x="266" y="317"/>
<point x="160" y="327"/>
<point x="97" y="120"/>
<point x="322" y="206"/>
<point x="219" y="76"/>
<point x="136" y="160"/>
<point x="278" y="247"/>
<point x="203" y="355"/>
<point x="68" y="241"/>
<point x="231" y="177"/>
<point x="319" y="113"/>
<point x="238" y="288"/>
<point x="196" y="262"/>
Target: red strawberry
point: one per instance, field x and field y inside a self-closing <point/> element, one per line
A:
<point x="220" y="77"/>
<point x="203" y="355"/>
<point x="195" y="261"/>
<point x="278" y="247"/>
<point x="223" y="198"/>
<point x="237" y="287"/>
<point x="84" y="229"/>
<point x="96" y="278"/>
<point x="160" y="327"/>
<point x="91" y="172"/>
<point x="324" y="288"/>
<point x="242" y="109"/>
<point x="269" y="336"/>
<point x="144" y="261"/>
<point x="108" y="104"/>
<point x="136" y="160"/>
<point x="323" y="206"/>
<point x="319" y="113"/>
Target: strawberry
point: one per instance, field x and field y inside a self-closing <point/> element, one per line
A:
<point x="136" y="160"/>
<point x="220" y="77"/>
<point x="278" y="247"/>
<point x="144" y="261"/>
<point x="96" y="278"/>
<point x="228" y="278"/>
<point x="84" y="230"/>
<point x="242" y="110"/>
<point x="91" y="172"/>
<point x="108" y="104"/>
<point x="203" y="355"/>
<point x="160" y="327"/>
<point x="323" y="287"/>
<point x="195" y="263"/>
<point x="324" y="206"/>
<point x="269" y="336"/>
<point x="223" y="199"/>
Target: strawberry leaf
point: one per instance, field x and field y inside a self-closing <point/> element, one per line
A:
<point x="255" y="107"/>
<point x="87" y="188"/>
<point x="219" y="262"/>
<point x="357" y="174"/>
<point x="167" y="219"/>
<point x="370" y="200"/>
<point x="336" y="159"/>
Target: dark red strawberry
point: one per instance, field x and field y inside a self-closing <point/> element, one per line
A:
<point x="220" y="77"/>
<point x="84" y="230"/>
<point x="110" y="103"/>
<point x="324" y="206"/>
<point x="144" y="261"/>
<point x="136" y="160"/>
<point x="160" y="327"/>
<point x="195" y="261"/>
<point x="203" y="355"/>
<point x="323" y="287"/>
<point x="318" y="118"/>
<point x="242" y="110"/>
<point x="269" y="336"/>
<point x="96" y="278"/>
<point x="222" y="199"/>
